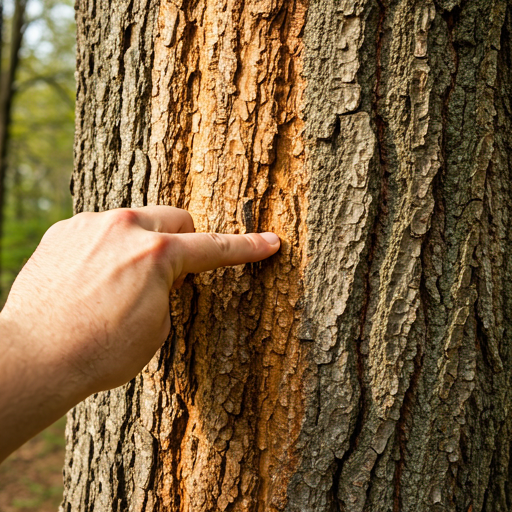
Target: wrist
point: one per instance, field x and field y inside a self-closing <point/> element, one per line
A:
<point x="38" y="354"/>
<point x="37" y="387"/>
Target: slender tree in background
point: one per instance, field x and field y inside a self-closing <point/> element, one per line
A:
<point x="367" y="367"/>
<point x="7" y="91"/>
<point x="1" y="32"/>
<point x="40" y="132"/>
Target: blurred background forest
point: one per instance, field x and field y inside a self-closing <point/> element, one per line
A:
<point x="37" y="95"/>
<point x="40" y="136"/>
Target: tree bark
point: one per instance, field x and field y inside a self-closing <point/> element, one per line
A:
<point x="367" y="366"/>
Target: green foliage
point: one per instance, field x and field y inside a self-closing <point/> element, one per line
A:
<point x="40" y="493"/>
<point x="40" y="150"/>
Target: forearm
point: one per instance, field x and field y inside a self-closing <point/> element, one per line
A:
<point x="35" y="389"/>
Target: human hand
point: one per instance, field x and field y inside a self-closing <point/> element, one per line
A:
<point x="91" y="306"/>
<point x="96" y="291"/>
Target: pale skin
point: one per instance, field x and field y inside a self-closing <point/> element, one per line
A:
<point x="91" y="307"/>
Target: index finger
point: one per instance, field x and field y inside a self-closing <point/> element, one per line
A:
<point x="207" y="251"/>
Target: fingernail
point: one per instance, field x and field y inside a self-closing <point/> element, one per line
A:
<point x="270" y="238"/>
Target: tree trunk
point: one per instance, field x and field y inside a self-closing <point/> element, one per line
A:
<point x="367" y="366"/>
<point x="7" y="91"/>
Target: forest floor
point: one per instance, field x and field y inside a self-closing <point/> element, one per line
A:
<point x="31" y="478"/>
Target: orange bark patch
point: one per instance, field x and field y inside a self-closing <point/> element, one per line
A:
<point x="227" y="145"/>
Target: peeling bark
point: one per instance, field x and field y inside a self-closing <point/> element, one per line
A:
<point x="367" y="366"/>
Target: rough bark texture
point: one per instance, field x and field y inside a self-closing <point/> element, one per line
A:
<point x="367" y="367"/>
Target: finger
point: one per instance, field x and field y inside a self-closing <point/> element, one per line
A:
<point x="207" y="251"/>
<point x="165" y="219"/>
<point x="179" y="282"/>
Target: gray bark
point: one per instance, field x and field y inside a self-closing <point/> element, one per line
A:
<point x="367" y="366"/>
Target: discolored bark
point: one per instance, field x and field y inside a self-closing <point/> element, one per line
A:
<point x="367" y="366"/>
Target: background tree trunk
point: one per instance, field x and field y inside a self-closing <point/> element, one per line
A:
<point x="7" y="91"/>
<point x="366" y="367"/>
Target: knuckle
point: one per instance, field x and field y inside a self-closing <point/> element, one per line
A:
<point x="157" y="246"/>
<point x="123" y="216"/>
<point x="222" y="243"/>
<point x="190" y="221"/>
<point x="185" y="218"/>
<point x="187" y="215"/>
<point x="253" y="243"/>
